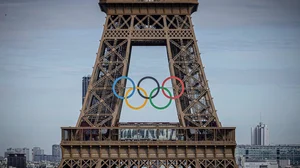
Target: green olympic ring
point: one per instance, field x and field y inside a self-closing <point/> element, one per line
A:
<point x="164" y="107"/>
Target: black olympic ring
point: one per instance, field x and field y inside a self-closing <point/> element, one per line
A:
<point x="148" y="77"/>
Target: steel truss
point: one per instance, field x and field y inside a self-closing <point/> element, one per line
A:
<point x="132" y="146"/>
<point x="194" y="108"/>
<point x="148" y="23"/>
<point x="140" y="163"/>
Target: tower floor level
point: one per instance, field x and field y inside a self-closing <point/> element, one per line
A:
<point x="99" y="140"/>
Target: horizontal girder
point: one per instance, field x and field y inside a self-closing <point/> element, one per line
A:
<point x="131" y="7"/>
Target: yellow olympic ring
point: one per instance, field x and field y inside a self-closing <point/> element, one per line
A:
<point x="132" y="107"/>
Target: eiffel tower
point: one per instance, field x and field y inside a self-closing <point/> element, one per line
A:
<point x="99" y="140"/>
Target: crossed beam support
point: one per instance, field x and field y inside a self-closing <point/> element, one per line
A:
<point x="97" y="140"/>
<point x="172" y="147"/>
<point x="140" y="163"/>
<point x="194" y="108"/>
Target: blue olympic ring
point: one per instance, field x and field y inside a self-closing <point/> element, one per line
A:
<point x="115" y="82"/>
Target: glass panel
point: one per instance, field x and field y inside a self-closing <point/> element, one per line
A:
<point x="66" y="135"/>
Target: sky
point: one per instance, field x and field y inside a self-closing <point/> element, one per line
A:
<point x="250" y="50"/>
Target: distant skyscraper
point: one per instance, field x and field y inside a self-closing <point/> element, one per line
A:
<point x="36" y="151"/>
<point x="85" y="84"/>
<point x="18" y="151"/>
<point x="56" y="154"/>
<point x="26" y="152"/>
<point x="16" y="160"/>
<point x="260" y="135"/>
<point x="9" y="151"/>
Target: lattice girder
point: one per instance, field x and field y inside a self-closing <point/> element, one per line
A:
<point x="140" y="163"/>
<point x="194" y="108"/>
<point x="101" y="141"/>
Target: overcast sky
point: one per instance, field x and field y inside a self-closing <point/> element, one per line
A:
<point x="250" y="50"/>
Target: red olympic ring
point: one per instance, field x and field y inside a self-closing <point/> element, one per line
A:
<point x="182" y="87"/>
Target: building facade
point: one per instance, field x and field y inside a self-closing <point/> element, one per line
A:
<point x="85" y="84"/>
<point x="36" y="151"/>
<point x="43" y="157"/>
<point x="24" y="151"/>
<point x="260" y="135"/>
<point x="261" y="164"/>
<point x="56" y="153"/>
<point x="271" y="152"/>
<point x="16" y="160"/>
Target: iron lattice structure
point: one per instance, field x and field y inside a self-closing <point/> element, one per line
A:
<point x="198" y="140"/>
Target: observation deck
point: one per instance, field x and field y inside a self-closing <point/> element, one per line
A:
<point x="145" y="141"/>
<point x="142" y="7"/>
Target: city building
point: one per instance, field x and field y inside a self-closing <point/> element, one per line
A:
<point x="242" y="163"/>
<point x="279" y="153"/>
<point x="16" y="160"/>
<point x="56" y="153"/>
<point x="24" y="151"/>
<point x="284" y="163"/>
<point x="3" y="163"/>
<point x="260" y="135"/>
<point x="85" y="84"/>
<point x="43" y="157"/>
<point x="9" y="151"/>
<point x="36" y="151"/>
<point x="43" y="164"/>
<point x="261" y="164"/>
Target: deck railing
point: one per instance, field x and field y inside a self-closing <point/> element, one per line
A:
<point x="209" y="134"/>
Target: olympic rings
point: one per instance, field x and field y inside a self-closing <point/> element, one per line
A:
<point x="114" y="85"/>
<point x="148" y="77"/>
<point x="136" y="108"/>
<point x="182" y="87"/>
<point x="144" y="95"/>
<point x="160" y="108"/>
